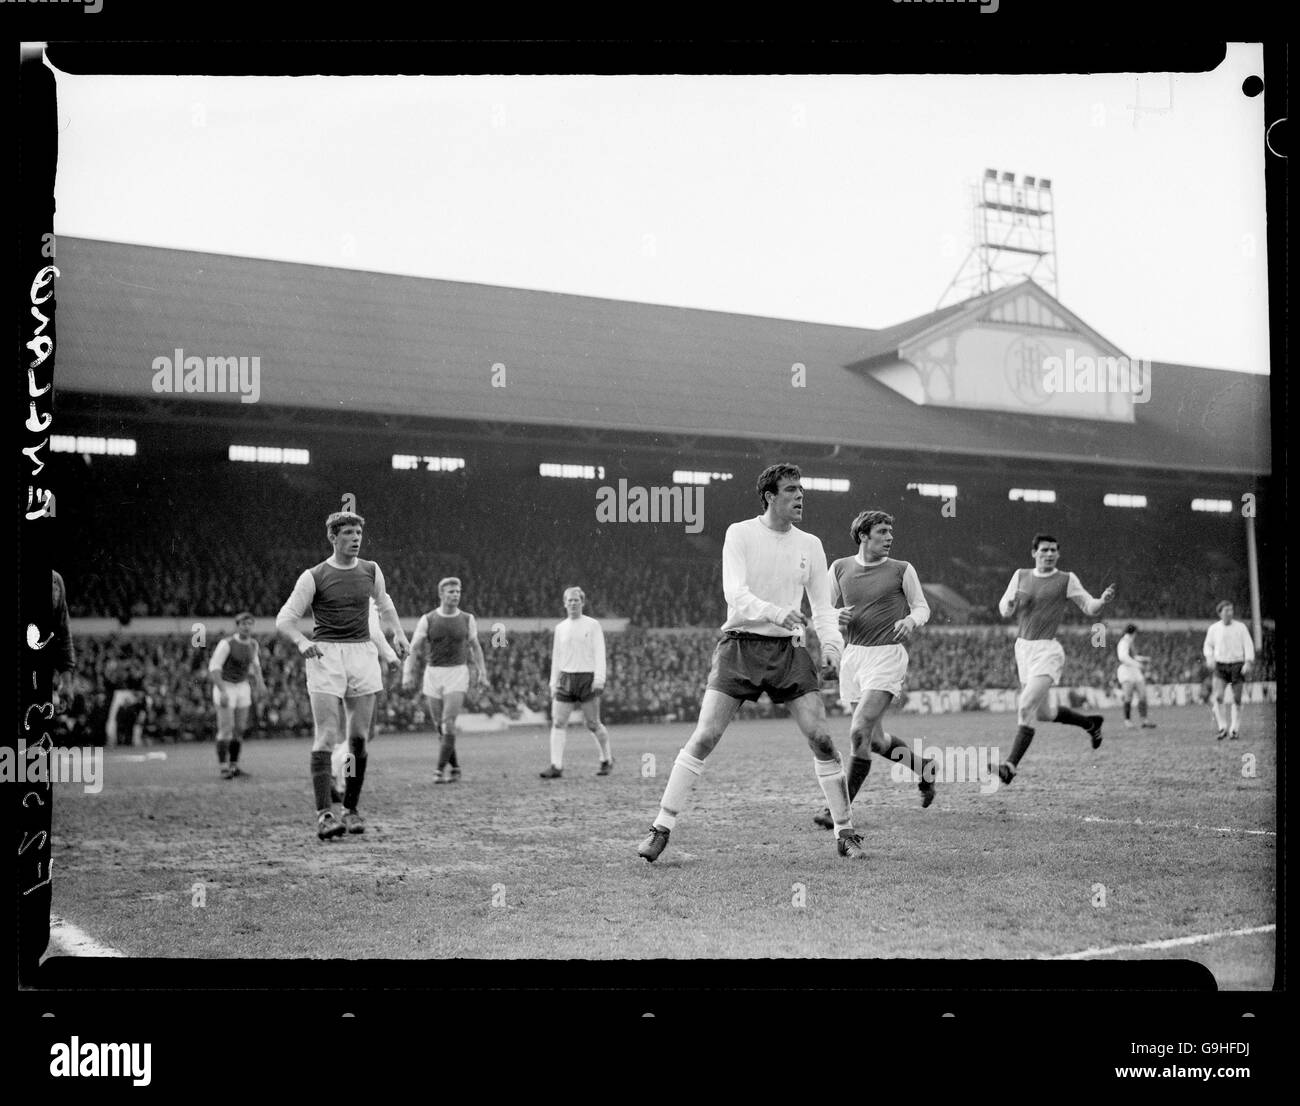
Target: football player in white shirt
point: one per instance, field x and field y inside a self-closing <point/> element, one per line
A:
<point x="577" y="679"/>
<point x="1132" y="678"/>
<point x="1230" y="654"/>
<point x="768" y="565"/>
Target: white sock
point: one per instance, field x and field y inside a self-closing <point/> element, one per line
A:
<point x="557" y="746"/>
<point x="835" y="786"/>
<point x="1235" y="711"/>
<point x="686" y="770"/>
<point x="602" y="742"/>
<point x="1218" y="714"/>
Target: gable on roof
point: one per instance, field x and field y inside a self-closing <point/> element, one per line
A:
<point x="1017" y="349"/>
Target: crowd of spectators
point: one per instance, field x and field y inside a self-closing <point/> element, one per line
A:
<point x="160" y="548"/>
<point x="213" y="540"/>
<point x="652" y="677"/>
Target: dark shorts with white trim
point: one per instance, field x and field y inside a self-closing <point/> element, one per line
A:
<point x="1231" y="673"/>
<point x="746" y="665"/>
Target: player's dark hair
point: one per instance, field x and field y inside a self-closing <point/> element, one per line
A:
<point x="1131" y="628"/>
<point x="1039" y="539"/>
<point x="1218" y="607"/>
<point x="769" y="480"/>
<point x="244" y="615"/>
<point x="866" y="522"/>
<point x="340" y="519"/>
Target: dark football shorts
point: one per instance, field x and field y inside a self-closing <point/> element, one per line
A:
<point x="746" y="665"/>
<point x="1230" y="673"/>
<point x="575" y="687"/>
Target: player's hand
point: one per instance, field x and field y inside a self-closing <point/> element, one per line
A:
<point x="793" y="620"/>
<point x="1108" y="594"/>
<point x="309" y="649"/>
<point x="830" y="662"/>
<point x="903" y="628"/>
<point x="483" y="681"/>
<point x="223" y="700"/>
<point x="401" y="647"/>
<point x="845" y="617"/>
<point x="597" y="687"/>
<point x="1246" y="667"/>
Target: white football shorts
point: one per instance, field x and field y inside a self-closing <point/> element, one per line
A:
<point x="346" y="669"/>
<point x="1039" y="658"/>
<point x="441" y="682"/>
<point x="866" y="668"/>
<point x="235" y="695"/>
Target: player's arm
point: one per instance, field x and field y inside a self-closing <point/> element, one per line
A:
<point x="386" y="653"/>
<point x="413" y="658"/>
<point x="824" y="616"/>
<point x="1249" y="645"/>
<point x="555" y="658"/>
<point x="1085" y="602"/>
<point x="735" y="586"/>
<point x="598" y="643"/>
<point x="65" y="657"/>
<point x="1210" y="648"/>
<point x="1011" y="597"/>
<point x="219" y="655"/>
<point x="295" y="608"/>
<point x="476" y="651"/>
<point x="837" y="599"/>
<point x="388" y="615"/>
<point x="255" y="670"/>
<point x="918" y="613"/>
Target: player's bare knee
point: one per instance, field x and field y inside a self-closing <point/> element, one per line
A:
<point x="819" y="741"/>
<point x="702" y="743"/>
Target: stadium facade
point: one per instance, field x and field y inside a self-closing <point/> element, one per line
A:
<point x="357" y="367"/>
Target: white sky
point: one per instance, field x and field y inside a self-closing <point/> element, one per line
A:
<point x="832" y="199"/>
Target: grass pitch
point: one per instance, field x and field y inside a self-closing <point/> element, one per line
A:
<point x="1160" y="834"/>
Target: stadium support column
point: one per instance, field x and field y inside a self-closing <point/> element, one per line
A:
<point x="1252" y="568"/>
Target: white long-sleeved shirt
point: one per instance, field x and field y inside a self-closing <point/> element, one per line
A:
<point x="386" y="652"/>
<point x="1228" y="643"/>
<point x="765" y="574"/>
<point x="579" y="646"/>
<point x="1127" y="658"/>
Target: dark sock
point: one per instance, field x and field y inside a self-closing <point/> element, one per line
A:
<point x="1024" y="735"/>
<point x="235" y="743"/>
<point x="352" y="788"/>
<point x="322" y="777"/>
<point x="222" y="748"/>
<point x="453" y="761"/>
<point x="1128" y="710"/>
<point x="1142" y="709"/>
<point x="902" y="753"/>
<point x="858" y="769"/>
<point x="1071" y="717"/>
<point x="447" y="751"/>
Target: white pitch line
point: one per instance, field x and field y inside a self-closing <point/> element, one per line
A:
<point x="1141" y="822"/>
<point x="72" y="941"/>
<point x="1173" y="942"/>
